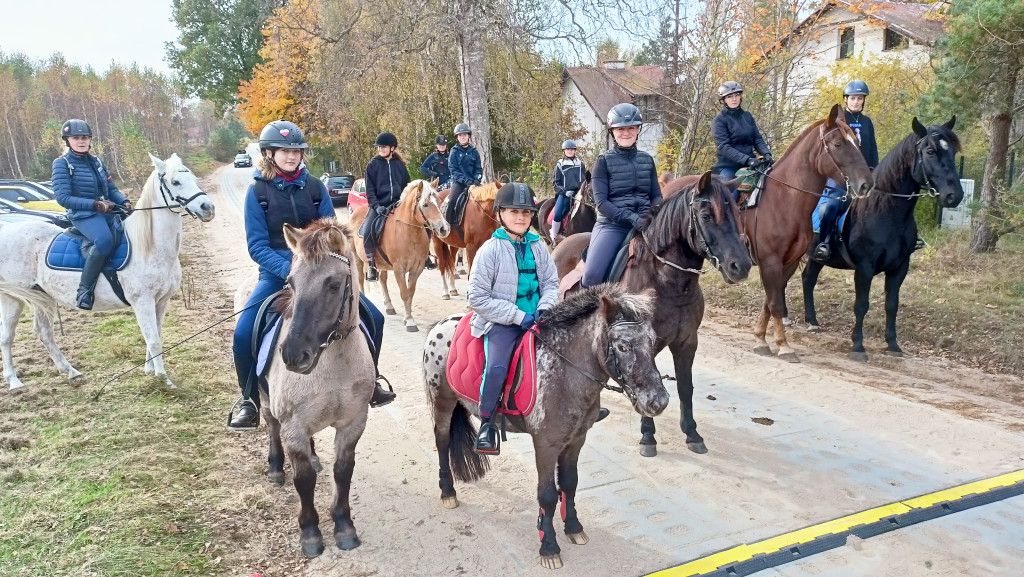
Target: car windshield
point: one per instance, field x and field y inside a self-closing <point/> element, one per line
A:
<point x="241" y="157"/>
<point x="340" y="182"/>
<point x="13" y="193"/>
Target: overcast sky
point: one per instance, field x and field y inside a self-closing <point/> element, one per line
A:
<point x="89" y="32"/>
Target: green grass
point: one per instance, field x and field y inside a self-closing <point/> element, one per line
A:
<point x="199" y="161"/>
<point x="123" y="485"/>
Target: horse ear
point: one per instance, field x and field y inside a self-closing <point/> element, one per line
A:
<point x="497" y="183"/>
<point x="608" y="308"/>
<point x="919" y="128"/>
<point x="705" y="180"/>
<point x="951" y="123"/>
<point x="832" y="116"/>
<point x="291" y="236"/>
<point x="435" y="182"/>
<point x="158" y="164"/>
<point x="586" y="175"/>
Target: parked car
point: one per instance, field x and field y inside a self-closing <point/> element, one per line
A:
<point x="357" y="197"/>
<point x="243" y="159"/>
<point x="339" y="187"/>
<point x="14" y="212"/>
<point x="45" y="188"/>
<point x="25" y="194"/>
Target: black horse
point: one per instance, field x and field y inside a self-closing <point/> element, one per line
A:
<point x="583" y="221"/>
<point x="880" y="231"/>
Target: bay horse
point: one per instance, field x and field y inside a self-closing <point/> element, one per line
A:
<point x="581" y="216"/>
<point x="321" y="375"/>
<point x="779" y="227"/>
<point x="406" y="242"/>
<point x="880" y="231"/>
<point x="697" y="224"/>
<point x="478" y="224"/>
<point x="571" y="373"/>
<point x="150" y="279"/>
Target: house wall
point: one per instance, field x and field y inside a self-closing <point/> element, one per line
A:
<point x="650" y="135"/>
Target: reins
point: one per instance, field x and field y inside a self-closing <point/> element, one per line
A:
<point x="694" y="230"/>
<point x="821" y="138"/>
<point x="609" y="360"/>
<point x="927" y="184"/>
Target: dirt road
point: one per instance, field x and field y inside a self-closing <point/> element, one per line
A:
<point x="843" y="437"/>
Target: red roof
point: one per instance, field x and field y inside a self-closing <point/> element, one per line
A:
<point x="604" y="87"/>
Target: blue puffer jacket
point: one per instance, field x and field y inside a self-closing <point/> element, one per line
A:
<point x="436" y="166"/>
<point x="737" y="137"/>
<point x="464" y="164"/>
<point x="79" y="181"/>
<point x="277" y="262"/>
<point x="625" y="184"/>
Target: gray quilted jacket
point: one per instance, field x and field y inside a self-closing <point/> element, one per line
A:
<point x="495" y="279"/>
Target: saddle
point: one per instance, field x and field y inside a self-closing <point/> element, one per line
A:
<point x="571" y="281"/>
<point x="459" y="210"/>
<point x="573" y="209"/>
<point x="751" y="185"/>
<point x="465" y="367"/>
<point x="67" y="252"/>
<point x="373" y="225"/>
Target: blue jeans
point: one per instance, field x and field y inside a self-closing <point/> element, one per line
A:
<point x="830" y="210"/>
<point x="605" y="241"/>
<point x="499" y="346"/>
<point x="728" y="174"/>
<point x="562" y="204"/>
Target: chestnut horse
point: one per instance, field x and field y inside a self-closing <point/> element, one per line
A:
<point x="478" y="223"/>
<point x="779" y="227"/>
<point x="406" y="242"/>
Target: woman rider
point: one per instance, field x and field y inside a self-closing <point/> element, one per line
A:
<point x="625" y="183"/>
<point x="464" y="164"/>
<point x="282" y="192"/>
<point x="386" y="178"/>
<point x="567" y="182"/>
<point x="736" y="134"/>
<point x="83" y="187"/>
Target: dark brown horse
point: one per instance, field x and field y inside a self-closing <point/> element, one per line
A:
<point x="698" y="224"/>
<point x="583" y="220"/>
<point x="571" y="372"/>
<point x="779" y="228"/>
<point x="478" y="223"/>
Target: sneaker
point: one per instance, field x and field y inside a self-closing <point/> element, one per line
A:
<point x="247" y="418"/>
<point x="372" y="275"/>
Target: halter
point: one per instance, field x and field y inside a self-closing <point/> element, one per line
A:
<point x="694" y="232"/>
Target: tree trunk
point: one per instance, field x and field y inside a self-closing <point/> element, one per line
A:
<point x="474" y="92"/>
<point x="998" y="119"/>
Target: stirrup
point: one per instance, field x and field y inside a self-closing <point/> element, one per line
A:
<point x="239" y="403"/>
<point x="387" y="396"/>
<point x="822" y="252"/>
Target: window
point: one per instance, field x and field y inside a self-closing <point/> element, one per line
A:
<point x="894" y="40"/>
<point x="845" y="43"/>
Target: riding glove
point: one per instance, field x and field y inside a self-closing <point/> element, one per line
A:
<point x="751" y="162"/>
<point x="381" y="211"/>
<point x="768" y="159"/>
<point x="127" y="206"/>
<point x="103" y="206"/>
<point x="528" y="321"/>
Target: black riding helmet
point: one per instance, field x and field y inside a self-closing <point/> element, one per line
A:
<point x="386" y="139"/>
<point x="75" y="127"/>
<point x="624" y="114"/>
<point x="462" y="128"/>
<point x="282" y="134"/>
<point x="441" y="140"/>
<point x="515" y="195"/>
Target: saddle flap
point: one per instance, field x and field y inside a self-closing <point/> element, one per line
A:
<point x="618" y="268"/>
<point x="465" y="366"/>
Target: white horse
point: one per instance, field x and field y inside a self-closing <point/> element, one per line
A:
<point x="150" y="279"/>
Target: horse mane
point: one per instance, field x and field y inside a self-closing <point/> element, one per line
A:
<point x="407" y="195"/>
<point x="318" y="237"/>
<point x="663" y="232"/>
<point x="580" y="305"/>
<point x="139" y="226"/>
<point x="483" y="192"/>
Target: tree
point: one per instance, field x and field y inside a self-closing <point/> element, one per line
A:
<point x="979" y="74"/>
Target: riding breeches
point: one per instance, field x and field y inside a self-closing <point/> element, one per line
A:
<point x="103" y="231"/>
<point x="499" y="345"/>
<point x="835" y="202"/>
<point x="562" y="204"/>
<point x="605" y="241"/>
<point x="458" y="190"/>
<point x="241" y="349"/>
<point x="369" y="242"/>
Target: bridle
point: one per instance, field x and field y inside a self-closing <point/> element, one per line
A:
<point x="337" y="333"/>
<point x="918" y="168"/>
<point x="421" y="212"/>
<point x="695" y="232"/>
<point x="170" y="197"/>
<point x="821" y="138"/>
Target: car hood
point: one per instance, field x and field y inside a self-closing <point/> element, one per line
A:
<point x="49" y="205"/>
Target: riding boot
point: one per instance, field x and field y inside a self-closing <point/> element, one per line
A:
<point x="247" y="418"/>
<point x="90" y="274"/>
<point x="602" y="413"/>
<point x="822" y="252"/>
<point x="430" y="264"/>
<point x="487" y="440"/>
<point x="380" y="396"/>
<point x="556" y="227"/>
<point x="371" y="272"/>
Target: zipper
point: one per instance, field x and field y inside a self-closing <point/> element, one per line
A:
<point x="391" y="184"/>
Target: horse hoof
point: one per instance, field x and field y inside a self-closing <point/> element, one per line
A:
<point x="455" y="276"/>
<point x="347" y="543"/>
<point x="445" y="297"/>
<point x="649" y="450"/>
<point x="449" y="502"/>
<point x="277" y="478"/>
<point x="861" y="356"/>
<point x="699" y="447"/>
<point x="313" y="548"/>
<point x="453" y="292"/>
<point x="789" y="357"/>
<point x="892" y="353"/>
<point x="412" y="329"/>
<point x="391" y="312"/>
<point x="813" y="329"/>
<point x="15" y="384"/>
<point x="786" y="322"/>
<point x="763" y="350"/>
<point x="578" y="538"/>
<point x="551" y="561"/>
<point x="77" y="380"/>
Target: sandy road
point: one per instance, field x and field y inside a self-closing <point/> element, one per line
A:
<point x="844" y="437"/>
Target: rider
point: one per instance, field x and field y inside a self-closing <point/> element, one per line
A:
<point x="835" y="200"/>
<point x="625" y="182"/>
<point x="436" y="165"/>
<point x="83" y="187"/>
<point x="568" y="180"/>
<point x="736" y="134"/>
<point x="287" y="194"/>
<point x="513" y="281"/>
<point x="386" y="178"/>
<point x="464" y="162"/>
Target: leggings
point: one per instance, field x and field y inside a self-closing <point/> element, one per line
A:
<point x="605" y="242"/>
<point x="499" y="343"/>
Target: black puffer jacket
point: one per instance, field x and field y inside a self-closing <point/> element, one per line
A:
<point x="625" y="182"/>
<point x="736" y="137"/>
<point x="385" y="181"/>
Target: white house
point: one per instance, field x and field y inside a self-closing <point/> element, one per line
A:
<point x="590" y="92"/>
<point x="841" y="29"/>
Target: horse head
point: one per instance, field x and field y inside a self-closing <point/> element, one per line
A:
<point x="714" y="226"/>
<point x="934" y="165"/>
<point x="627" y="339"/>
<point x="178" y="188"/>
<point x="840" y="158"/>
<point x="428" y="207"/>
<point x="319" y="300"/>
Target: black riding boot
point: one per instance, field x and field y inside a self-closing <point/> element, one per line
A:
<point x="822" y="252"/>
<point x="487" y="440"/>
<point x="90" y="274"/>
<point x="381" y="396"/>
<point x="247" y="418"/>
<point x="371" y="273"/>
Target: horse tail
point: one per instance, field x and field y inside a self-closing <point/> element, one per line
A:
<point x="445" y="258"/>
<point x="34" y="298"/>
<point x="467" y="464"/>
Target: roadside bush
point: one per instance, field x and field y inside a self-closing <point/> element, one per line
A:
<point x="227" y="139"/>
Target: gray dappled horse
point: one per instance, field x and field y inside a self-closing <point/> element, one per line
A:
<point x="606" y="332"/>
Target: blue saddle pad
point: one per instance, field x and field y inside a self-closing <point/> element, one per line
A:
<point x="816" y="215"/>
<point x="65" y="253"/>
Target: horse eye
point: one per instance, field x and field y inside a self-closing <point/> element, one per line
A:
<point x="930" y="151"/>
<point x="176" y="182"/>
<point x="706" y="216"/>
<point x="622" y="348"/>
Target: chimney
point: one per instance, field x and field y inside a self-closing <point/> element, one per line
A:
<point x="615" y="64"/>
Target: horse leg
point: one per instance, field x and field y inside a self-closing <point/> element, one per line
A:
<point x="648" y="444"/>
<point x="275" y="455"/>
<point x="406" y="288"/>
<point x="44" y="330"/>
<point x="10" y="312"/>
<point x="345" y="439"/>
<point x="388" y="307"/>
<point x="146" y="315"/>
<point x="862" y="283"/>
<point x="682" y="358"/>
<point x="314" y="459"/>
<point x="296" y="443"/>
<point x="761" y="329"/>
<point x="161" y="312"/>
<point x="568" y="478"/>
<point x="777" y="305"/>
<point x="810" y="278"/>
<point x="547" y="497"/>
<point x="893" y="282"/>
